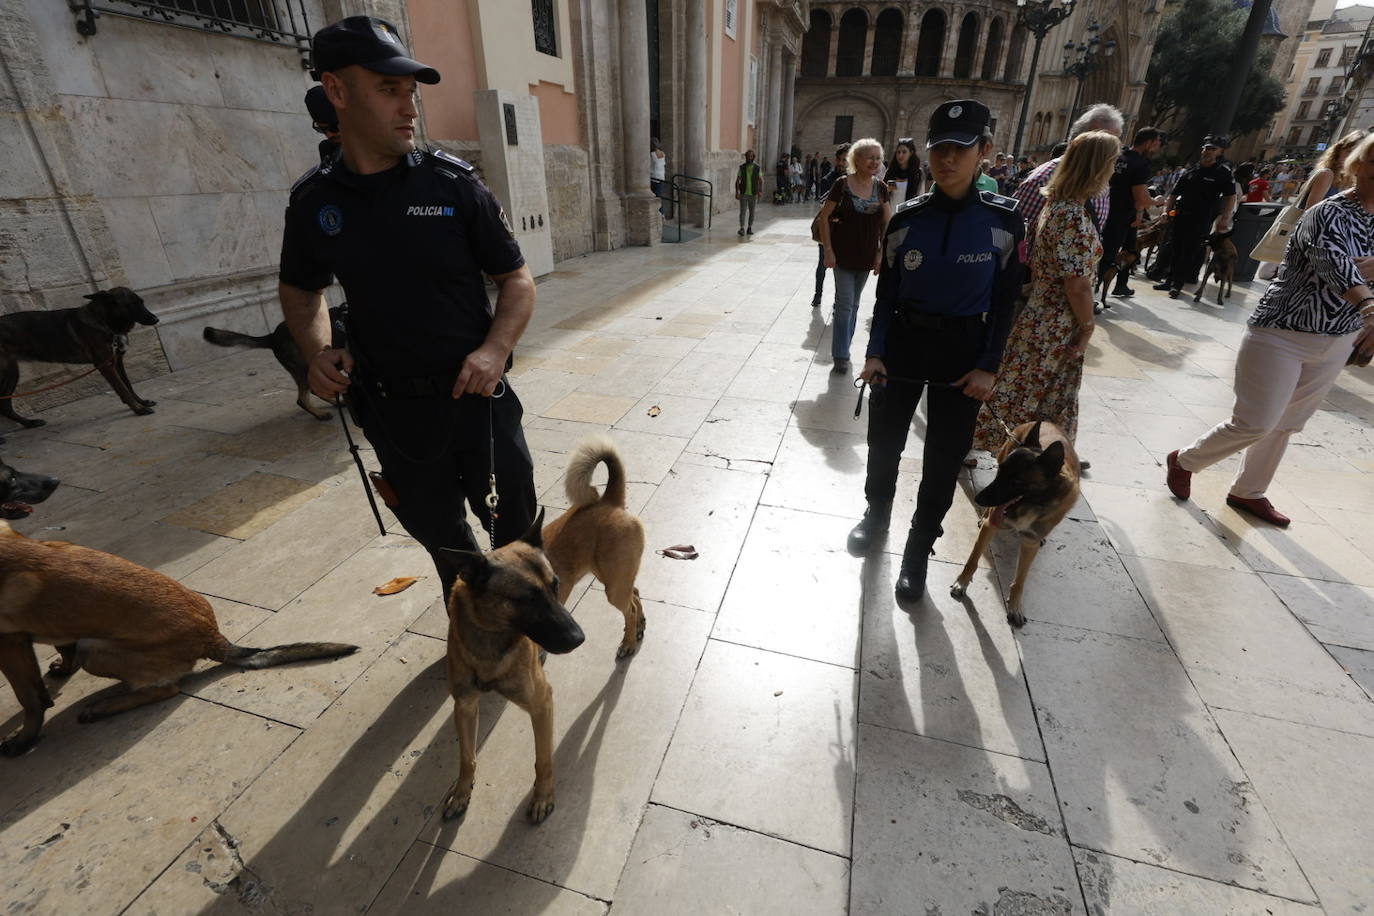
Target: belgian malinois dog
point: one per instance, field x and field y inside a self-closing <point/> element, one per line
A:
<point x="599" y="535"/>
<point x="504" y="608"/>
<point x="96" y="333"/>
<point x="20" y="490"/>
<point x="1035" y="487"/>
<point x="1221" y="264"/>
<point x="113" y="618"/>
<point x="283" y="347"/>
<point x="1126" y="260"/>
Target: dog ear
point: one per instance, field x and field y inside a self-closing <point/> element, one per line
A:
<point x="535" y="536"/>
<point x="1033" y="437"/>
<point x="1051" y="460"/>
<point x="472" y="566"/>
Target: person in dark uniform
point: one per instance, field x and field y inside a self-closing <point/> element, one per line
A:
<point x="1204" y="197"/>
<point x="1128" y="199"/>
<point x="325" y="120"/>
<point x="410" y="233"/>
<point x="947" y="287"/>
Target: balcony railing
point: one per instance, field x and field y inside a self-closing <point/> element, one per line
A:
<point x="278" y="22"/>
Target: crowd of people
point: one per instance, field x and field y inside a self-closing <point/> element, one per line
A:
<point x="986" y="267"/>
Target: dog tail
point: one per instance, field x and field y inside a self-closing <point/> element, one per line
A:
<point x="234" y="339"/>
<point x="578" y="483"/>
<point x="245" y="657"/>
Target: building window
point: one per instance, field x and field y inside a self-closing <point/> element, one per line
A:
<point x="545" y="36"/>
<point x="930" y="46"/>
<point x="1303" y="109"/>
<point x="1294" y="136"/>
<point x="731" y="14"/>
<point x="968" y="46"/>
<point x="844" y="129"/>
<point x="1348" y="55"/>
<point x="1323" y="59"/>
<point x="272" y="21"/>
<point x="887" y="43"/>
<point x="849" y="56"/>
<point x="1314" y="85"/>
<point x="1335" y="85"/>
<point x="815" y="57"/>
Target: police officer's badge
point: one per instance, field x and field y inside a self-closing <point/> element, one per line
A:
<point x="330" y="219"/>
<point x="383" y="31"/>
<point x="956" y="111"/>
<point x="912" y="259"/>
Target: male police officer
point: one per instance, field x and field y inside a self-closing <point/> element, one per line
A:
<point x="1206" y="193"/>
<point x="409" y="233"/>
<point x="1129" y="199"/>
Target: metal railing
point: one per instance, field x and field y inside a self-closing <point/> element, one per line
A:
<point x="678" y="190"/>
<point x="279" y="22"/>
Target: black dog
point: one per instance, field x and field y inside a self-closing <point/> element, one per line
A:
<point x="19" y="490"/>
<point x="283" y="347"/>
<point x="95" y="333"/>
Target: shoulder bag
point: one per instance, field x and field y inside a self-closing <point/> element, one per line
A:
<point x="834" y="214"/>
<point x="1274" y="242"/>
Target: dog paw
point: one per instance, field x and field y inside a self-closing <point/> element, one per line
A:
<point x="143" y="410"/>
<point x="957" y="589"/>
<point x="1016" y="619"/>
<point x="625" y="650"/>
<point x="147" y="403"/>
<point x="60" y="668"/>
<point x="91" y="712"/>
<point x="456" y="803"/>
<point x="33" y="424"/>
<point x="541" y="806"/>
<point x="17" y="744"/>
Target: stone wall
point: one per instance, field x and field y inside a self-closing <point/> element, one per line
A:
<point x="570" y="200"/>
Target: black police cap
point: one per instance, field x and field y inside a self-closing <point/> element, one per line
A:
<point x="320" y="108"/>
<point x="963" y="121"/>
<point x="1216" y="140"/>
<point x="373" y="44"/>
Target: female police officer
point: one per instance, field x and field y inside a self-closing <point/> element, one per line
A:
<point x="950" y="273"/>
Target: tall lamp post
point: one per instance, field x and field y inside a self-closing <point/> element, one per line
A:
<point x="1039" y="16"/>
<point x="1083" y="59"/>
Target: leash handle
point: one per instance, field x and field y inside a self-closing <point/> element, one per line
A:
<point x="358" y="463"/>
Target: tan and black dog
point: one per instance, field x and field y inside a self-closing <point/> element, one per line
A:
<point x="1126" y="260"/>
<point x="504" y="608"/>
<point x="599" y="535"/>
<point x="96" y="333"/>
<point x="1221" y="264"/>
<point x="113" y="618"/>
<point x="283" y="347"/>
<point x="19" y="490"/>
<point x="1035" y="487"/>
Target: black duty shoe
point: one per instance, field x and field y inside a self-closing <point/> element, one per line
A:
<point x="816" y="303"/>
<point x="751" y="230"/>
<point x="1161" y="286"/>
<point x="911" y="578"/>
<point x="1174" y="292"/>
<point x="1123" y="291"/>
<point x="741" y="232"/>
<point x="870" y="529"/>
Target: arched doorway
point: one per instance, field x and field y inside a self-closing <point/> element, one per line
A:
<point x="994" y="49"/>
<point x="887" y="42"/>
<point x="816" y="45"/>
<point x="1014" y="53"/>
<point x="968" y="46"/>
<point x="931" y="44"/>
<point x="849" y="57"/>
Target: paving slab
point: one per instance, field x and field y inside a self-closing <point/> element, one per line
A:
<point x="1115" y="885"/>
<point x="1141" y="769"/>
<point x="941" y="828"/>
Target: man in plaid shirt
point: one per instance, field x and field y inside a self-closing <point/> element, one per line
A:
<point x="1029" y="200"/>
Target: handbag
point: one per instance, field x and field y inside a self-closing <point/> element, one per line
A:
<point x="1275" y="242"/>
<point x="834" y="216"/>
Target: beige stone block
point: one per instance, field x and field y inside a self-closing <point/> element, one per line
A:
<point x="819" y="471"/>
<point x="246" y="506"/>
<point x="1120" y="885"/>
<point x="700" y="375"/>
<point x="603" y="346"/>
<point x="766" y="742"/>
<point x="1335" y="613"/>
<point x="589" y="408"/>
<point x="1310" y="550"/>
<point x="1152" y="523"/>
<point x="670" y="347"/>
<point x="434" y="880"/>
<point x="681" y="863"/>
<point x="738" y="429"/>
<point x="666" y="415"/>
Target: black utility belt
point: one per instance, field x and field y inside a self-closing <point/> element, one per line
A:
<point x="913" y="319"/>
<point x="403" y="387"/>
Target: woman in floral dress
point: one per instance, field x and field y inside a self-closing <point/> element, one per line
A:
<point x="1043" y="366"/>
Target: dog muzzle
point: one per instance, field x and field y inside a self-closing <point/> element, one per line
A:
<point x="999" y="513"/>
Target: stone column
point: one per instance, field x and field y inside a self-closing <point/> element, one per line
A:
<point x="643" y="225"/>
<point x="956" y="18"/>
<point x="772" y="112"/>
<point x="789" y="100"/>
<point x="868" y="44"/>
<point x="694" y="101"/>
<point x="834" y="40"/>
<point x="910" y="37"/>
<point x="980" y="47"/>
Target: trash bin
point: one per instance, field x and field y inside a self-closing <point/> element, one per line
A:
<point x="1252" y="221"/>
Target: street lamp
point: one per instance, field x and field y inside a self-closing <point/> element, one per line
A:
<point x="1083" y="59"/>
<point x="1039" y="16"/>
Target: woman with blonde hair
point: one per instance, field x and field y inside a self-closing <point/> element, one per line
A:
<point x="1043" y="366"/>
<point x="852" y="220"/>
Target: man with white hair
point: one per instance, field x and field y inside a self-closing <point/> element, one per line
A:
<point x="1029" y="200"/>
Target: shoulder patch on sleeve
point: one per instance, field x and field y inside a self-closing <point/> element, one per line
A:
<point x="993" y="199"/>
<point x="303" y="180"/>
<point x="451" y="159"/>
<point x="914" y="204"/>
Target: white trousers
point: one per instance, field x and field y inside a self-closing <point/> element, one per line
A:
<point x="1281" y="379"/>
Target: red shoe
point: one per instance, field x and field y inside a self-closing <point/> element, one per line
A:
<point x="1260" y="508"/>
<point x="1180" y="481"/>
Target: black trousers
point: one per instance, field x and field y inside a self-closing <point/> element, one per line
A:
<point x="820" y="273"/>
<point x="936" y="355"/>
<point x="435" y="453"/>
<point x="1189" y="249"/>
<point x="1115" y="236"/>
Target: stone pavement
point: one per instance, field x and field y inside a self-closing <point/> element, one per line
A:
<point x="1184" y="725"/>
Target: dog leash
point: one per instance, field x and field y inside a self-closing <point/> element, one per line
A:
<point x="493" y="497"/>
<point x="24" y="394"/>
<point x="358" y="462"/>
<point x="861" y="384"/>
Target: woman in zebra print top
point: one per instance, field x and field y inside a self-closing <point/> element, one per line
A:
<point x="1318" y="309"/>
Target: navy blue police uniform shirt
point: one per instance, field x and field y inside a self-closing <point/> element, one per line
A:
<point x="409" y="246"/>
<point x="1201" y="189"/>
<point x="956" y="258"/>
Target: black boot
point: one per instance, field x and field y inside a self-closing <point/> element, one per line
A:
<point x="870" y="528"/>
<point x="911" y="579"/>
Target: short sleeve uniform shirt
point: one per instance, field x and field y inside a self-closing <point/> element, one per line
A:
<point x="1201" y="189"/>
<point x="1132" y="169"/>
<point x="410" y="246"/>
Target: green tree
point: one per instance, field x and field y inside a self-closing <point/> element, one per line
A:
<point x="1191" y="68"/>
